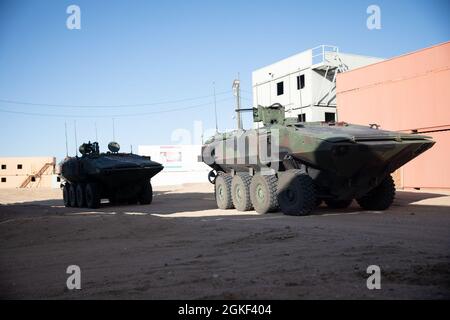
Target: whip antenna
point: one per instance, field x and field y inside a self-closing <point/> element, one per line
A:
<point x="114" y="130"/>
<point x="215" y="107"/>
<point x="76" y="142"/>
<point x="67" y="146"/>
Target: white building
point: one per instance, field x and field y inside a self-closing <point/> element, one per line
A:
<point x="181" y="164"/>
<point x="306" y="82"/>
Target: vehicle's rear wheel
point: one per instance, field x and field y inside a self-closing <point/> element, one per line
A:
<point x="73" y="195"/>
<point x="338" y="204"/>
<point x="146" y="195"/>
<point x="296" y="193"/>
<point x="263" y="193"/>
<point x="66" y="196"/>
<point x="222" y="191"/>
<point x="240" y="191"/>
<point x="379" y="198"/>
<point x="92" y="195"/>
<point x="81" y="195"/>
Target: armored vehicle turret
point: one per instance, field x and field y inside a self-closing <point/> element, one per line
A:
<point x="119" y="177"/>
<point x="295" y="166"/>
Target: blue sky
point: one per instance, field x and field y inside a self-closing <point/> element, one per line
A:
<point x="135" y="52"/>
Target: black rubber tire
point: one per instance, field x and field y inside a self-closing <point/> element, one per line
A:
<point x="73" y="195"/>
<point x="338" y="204"/>
<point x="146" y="195"/>
<point x="240" y="191"/>
<point x="92" y="196"/>
<point x="263" y="193"/>
<point x="66" y="196"/>
<point x="380" y="198"/>
<point x="296" y="193"/>
<point x="222" y="191"/>
<point x="81" y="195"/>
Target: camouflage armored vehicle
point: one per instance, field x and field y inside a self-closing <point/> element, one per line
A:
<point x="295" y="166"/>
<point x="119" y="177"/>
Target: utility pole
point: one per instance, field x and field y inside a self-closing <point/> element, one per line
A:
<point x="237" y="93"/>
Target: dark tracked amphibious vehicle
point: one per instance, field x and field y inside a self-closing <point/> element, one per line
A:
<point x="295" y="166"/>
<point x="119" y="177"/>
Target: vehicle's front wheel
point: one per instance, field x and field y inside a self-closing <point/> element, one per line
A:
<point x="222" y="191"/>
<point x="296" y="193"/>
<point x="263" y="193"/>
<point x="92" y="196"/>
<point x="379" y="198"/>
<point x="66" y="196"/>
<point x="73" y="195"/>
<point x="146" y="195"/>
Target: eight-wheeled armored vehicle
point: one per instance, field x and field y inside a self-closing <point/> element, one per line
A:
<point x="295" y="166"/>
<point x="119" y="177"/>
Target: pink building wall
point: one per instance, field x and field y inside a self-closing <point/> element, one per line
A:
<point x="410" y="92"/>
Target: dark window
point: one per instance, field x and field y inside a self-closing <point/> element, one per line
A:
<point x="3" y="166"/>
<point x="19" y="166"/>
<point x="58" y="179"/>
<point x="33" y="179"/>
<point x="330" y="116"/>
<point x="3" y="179"/>
<point x="302" y="117"/>
<point x="280" y="88"/>
<point x="300" y="82"/>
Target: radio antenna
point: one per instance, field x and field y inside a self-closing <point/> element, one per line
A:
<point x="215" y="106"/>
<point x="67" y="145"/>
<point x="114" y="130"/>
<point x="76" y="142"/>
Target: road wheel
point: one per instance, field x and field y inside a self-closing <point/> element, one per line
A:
<point x="240" y="191"/>
<point x="263" y="193"/>
<point x="73" y="195"/>
<point x="66" y="196"/>
<point x="146" y="195"/>
<point x="338" y="204"/>
<point x="296" y="193"/>
<point x="379" y="198"/>
<point x="92" y="195"/>
<point x="222" y="190"/>
<point x="81" y="196"/>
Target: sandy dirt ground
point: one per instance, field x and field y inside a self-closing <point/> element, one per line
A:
<point x="182" y="247"/>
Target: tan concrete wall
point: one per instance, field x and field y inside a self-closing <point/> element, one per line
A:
<point x="410" y="92"/>
<point x="15" y="175"/>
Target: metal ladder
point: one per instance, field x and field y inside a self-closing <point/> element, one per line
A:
<point x="37" y="175"/>
<point x="340" y="68"/>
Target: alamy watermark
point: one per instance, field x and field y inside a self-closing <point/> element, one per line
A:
<point x="374" y="280"/>
<point x="73" y="21"/>
<point x="374" y="20"/>
<point x="74" y="280"/>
